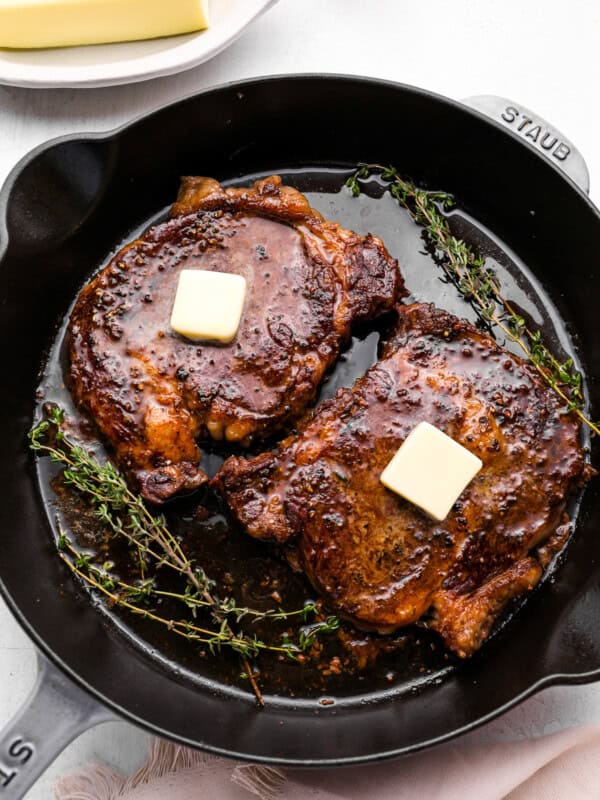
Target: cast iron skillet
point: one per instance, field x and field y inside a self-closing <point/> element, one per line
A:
<point x="66" y="204"/>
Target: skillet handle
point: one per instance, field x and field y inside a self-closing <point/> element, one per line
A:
<point x="538" y="133"/>
<point x="55" y="712"/>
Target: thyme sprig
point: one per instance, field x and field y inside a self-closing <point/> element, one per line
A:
<point x="127" y="517"/>
<point x="477" y="283"/>
<point x="144" y="591"/>
<point x="136" y="599"/>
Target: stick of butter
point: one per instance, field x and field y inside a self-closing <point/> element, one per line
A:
<point x="431" y="470"/>
<point x="64" y="23"/>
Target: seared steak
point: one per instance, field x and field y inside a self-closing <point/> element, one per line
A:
<point x="153" y="393"/>
<point x="376" y="558"/>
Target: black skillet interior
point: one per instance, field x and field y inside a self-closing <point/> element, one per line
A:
<point x="68" y="205"/>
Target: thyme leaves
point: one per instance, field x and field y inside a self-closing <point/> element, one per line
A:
<point x="127" y="518"/>
<point x="477" y="283"/>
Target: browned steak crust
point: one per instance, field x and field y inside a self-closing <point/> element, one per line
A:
<point x="152" y="393"/>
<point x="376" y="558"/>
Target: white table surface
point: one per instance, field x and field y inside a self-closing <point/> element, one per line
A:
<point x="542" y="54"/>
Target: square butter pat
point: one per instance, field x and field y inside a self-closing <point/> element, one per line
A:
<point x="208" y="305"/>
<point x="431" y="470"/>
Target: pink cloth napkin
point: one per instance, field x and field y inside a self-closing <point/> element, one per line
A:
<point x="564" y="766"/>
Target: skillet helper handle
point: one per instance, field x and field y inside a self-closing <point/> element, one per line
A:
<point x="538" y="133"/>
<point x="55" y="712"/>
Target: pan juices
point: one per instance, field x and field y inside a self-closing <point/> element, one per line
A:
<point x="36" y="24"/>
